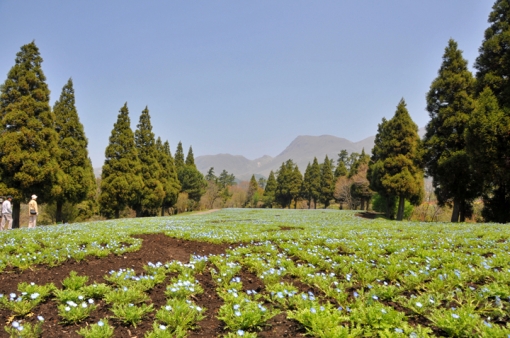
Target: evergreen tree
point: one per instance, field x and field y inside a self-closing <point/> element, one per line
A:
<point x="296" y="185"/>
<point x="190" y="159"/>
<point x="305" y="188"/>
<point x="192" y="180"/>
<point x="492" y="63"/>
<point x="270" y="190"/>
<point x="494" y="72"/>
<point x="450" y="103"/>
<point x="210" y="177"/>
<point x="179" y="157"/>
<point x="76" y="181"/>
<point x="327" y="183"/>
<point x="168" y="177"/>
<point x="398" y="164"/>
<point x="282" y="193"/>
<point x="357" y="161"/>
<point x="28" y="140"/>
<point x="488" y="145"/>
<point x="225" y="180"/>
<point x="153" y="193"/>
<point x="314" y="184"/>
<point x="253" y="188"/>
<point x="121" y="178"/>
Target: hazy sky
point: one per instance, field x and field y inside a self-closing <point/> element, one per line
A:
<point x="242" y="77"/>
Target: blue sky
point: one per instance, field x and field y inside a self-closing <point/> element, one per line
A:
<point x="242" y="77"/>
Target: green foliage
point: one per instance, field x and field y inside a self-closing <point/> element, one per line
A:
<point x="327" y="183"/>
<point x="488" y="145"/>
<point x="74" y="282"/>
<point x="396" y="161"/>
<point x="28" y="140"/>
<point x="179" y="315"/>
<point x="101" y="329"/>
<point x="26" y="330"/>
<point x="179" y="157"/>
<point x="379" y="204"/>
<point x="152" y="193"/>
<point x="226" y="179"/>
<point x="288" y="184"/>
<point x="253" y="188"/>
<point x="168" y="176"/>
<point x="131" y="314"/>
<point x="269" y="190"/>
<point x="190" y="159"/>
<point x="312" y="183"/>
<point x="75" y="180"/>
<point x="450" y="103"/>
<point x="121" y="178"/>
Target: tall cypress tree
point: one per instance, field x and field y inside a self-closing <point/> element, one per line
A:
<point x="192" y="180"/>
<point x="315" y="182"/>
<point x="296" y="185"/>
<point x="168" y="177"/>
<point x="179" y="157"/>
<point x="253" y="187"/>
<point x="494" y="72"/>
<point x="450" y="103"/>
<point x="121" y="177"/>
<point x="153" y="193"/>
<point x="327" y="183"/>
<point x="398" y="166"/>
<point x="76" y="181"/>
<point x="488" y="145"/>
<point x="282" y="193"/>
<point x="28" y="140"/>
<point x="270" y="190"/>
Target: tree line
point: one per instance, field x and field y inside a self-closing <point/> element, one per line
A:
<point x="466" y="150"/>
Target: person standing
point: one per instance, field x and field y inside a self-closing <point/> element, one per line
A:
<point x="33" y="212"/>
<point x="6" y="214"/>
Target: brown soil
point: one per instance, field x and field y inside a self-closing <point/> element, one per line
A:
<point x="155" y="248"/>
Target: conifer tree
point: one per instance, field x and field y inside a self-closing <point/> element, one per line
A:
<point x="153" y="193"/>
<point x="327" y="183"/>
<point x="270" y="190"/>
<point x="179" y="157"/>
<point x="488" y="145"/>
<point x="296" y="185"/>
<point x="450" y="103"/>
<point x="253" y="188"/>
<point x="168" y="177"/>
<point x="398" y="164"/>
<point x="28" y="140"/>
<point x="282" y="193"/>
<point x="494" y="72"/>
<point x="314" y="185"/>
<point x="192" y="180"/>
<point x="76" y="181"/>
<point x="121" y="178"/>
<point x="305" y="188"/>
<point x="341" y="168"/>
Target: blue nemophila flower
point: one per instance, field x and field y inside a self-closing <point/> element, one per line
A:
<point x="355" y="294"/>
<point x="398" y="330"/>
<point x="40" y="318"/>
<point x="67" y="308"/>
<point x="238" y="313"/>
<point x="100" y="323"/>
<point x="456" y="316"/>
<point x="340" y="308"/>
<point x="240" y="332"/>
<point x="374" y="297"/>
<point x="236" y="306"/>
<point x="91" y="301"/>
<point x="15" y="324"/>
<point x="12" y="295"/>
<point x="418" y="304"/>
<point x="162" y="327"/>
<point x="168" y="308"/>
<point x="487" y="324"/>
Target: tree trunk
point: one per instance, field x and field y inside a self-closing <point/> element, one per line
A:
<point x="456" y="209"/>
<point x="400" y="212"/>
<point x="117" y="214"/>
<point x="462" y="211"/>
<point x="58" y="214"/>
<point x="362" y="205"/>
<point x="162" y="210"/>
<point x="388" y="207"/>
<point x="16" y="211"/>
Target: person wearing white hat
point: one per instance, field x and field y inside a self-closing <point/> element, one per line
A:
<point x="33" y="212"/>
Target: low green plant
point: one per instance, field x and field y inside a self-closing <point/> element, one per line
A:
<point x="125" y="295"/>
<point x="179" y="314"/>
<point x="245" y="315"/>
<point x="74" y="282"/>
<point x="130" y="313"/>
<point x="101" y="329"/>
<point x="72" y="312"/>
<point x="25" y="330"/>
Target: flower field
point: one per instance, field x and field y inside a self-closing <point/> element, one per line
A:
<point x="256" y="273"/>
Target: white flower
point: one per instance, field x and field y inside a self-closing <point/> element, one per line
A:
<point x="15" y="324"/>
<point x="418" y="304"/>
<point x="162" y="327"/>
<point x="100" y="323"/>
<point x="456" y="316"/>
<point x="237" y="313"/>
<point x="240" y="332"/>
<point x="40" y="318"/>
<point x="67" y="308"/>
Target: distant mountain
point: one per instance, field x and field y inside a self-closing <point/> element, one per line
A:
<point x="302" y="150"/>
